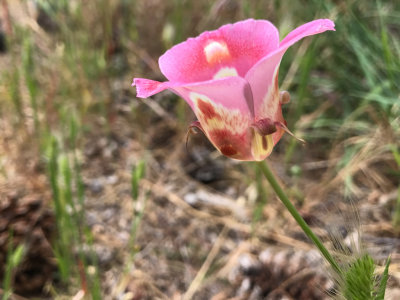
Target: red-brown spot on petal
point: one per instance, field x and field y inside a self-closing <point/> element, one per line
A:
<point x="222" y="136"/>
<point x="264" y="142"/>
<point x="228" y="150"/>
<point x="230" y="144"/>
<point x="207" y="109"/>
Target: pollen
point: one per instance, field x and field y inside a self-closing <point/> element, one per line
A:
<point x="216" y="52"/>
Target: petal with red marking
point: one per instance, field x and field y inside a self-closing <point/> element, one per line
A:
<point x="227" y="129"/>
<point x="223" y="110"/>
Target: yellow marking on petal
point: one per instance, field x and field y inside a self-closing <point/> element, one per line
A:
<point x="215" y="124"/>
<point x="261" y="145"/>
<point x="226" y="72"/>
<point x="216" y="52"/>
<point x="215" y="116"/>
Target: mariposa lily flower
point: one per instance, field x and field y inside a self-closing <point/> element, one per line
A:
<point x="229" y="77"/>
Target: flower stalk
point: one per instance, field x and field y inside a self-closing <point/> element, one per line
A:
<point x="299" y="219"/>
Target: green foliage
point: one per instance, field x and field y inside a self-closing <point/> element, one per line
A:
<point x="15" y="95"/>
<point x="262" y="197"/>
<point x="138" y="173"/>
<point x="30" y="77"/>
<point x="396" y="214"/>
<point x="360" y="63"/>
<point x="14" y="258"/>
<point x="68" y="197"/>
<point x="360" y="280"/>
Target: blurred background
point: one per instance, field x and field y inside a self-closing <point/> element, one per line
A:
<point x="100" y="198"/>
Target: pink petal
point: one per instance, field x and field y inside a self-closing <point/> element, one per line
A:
<point x="146" y="87"/>
<point x="230" y="92"/>
<point x="311" y="28"/>
<point x="238" y="46"/>
<point x="262" y="77"/>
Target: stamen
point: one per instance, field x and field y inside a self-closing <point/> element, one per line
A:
<point x="283" y="126"/>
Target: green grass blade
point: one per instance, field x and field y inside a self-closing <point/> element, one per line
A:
<point x="138" y="173"/>
<point x="382" y="286"/>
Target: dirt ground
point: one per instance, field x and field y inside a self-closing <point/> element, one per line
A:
<point x="197" y="238"/>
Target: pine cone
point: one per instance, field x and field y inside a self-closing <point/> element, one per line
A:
<point x="32" y="225"/>
<point x="282" y="274"/>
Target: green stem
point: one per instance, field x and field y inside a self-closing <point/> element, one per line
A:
<point x="299" y="219"/>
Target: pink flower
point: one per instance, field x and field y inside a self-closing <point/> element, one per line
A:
<point x="229" y="77"/>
